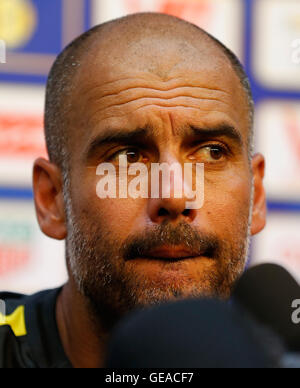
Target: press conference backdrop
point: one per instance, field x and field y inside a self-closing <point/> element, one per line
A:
<point x="265" y="34"/>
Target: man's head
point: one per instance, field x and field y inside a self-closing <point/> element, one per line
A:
<point x="158" y="90"/>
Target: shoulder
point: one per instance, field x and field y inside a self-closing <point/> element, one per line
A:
<point x="12" y="330"/>
<point x="12" y="313"/>
<point x="23" y="321"/>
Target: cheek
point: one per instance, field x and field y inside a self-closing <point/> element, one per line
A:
<point x="121" y="217"/>
<point x="116" y="217"/>
<point x="227" y="203"/>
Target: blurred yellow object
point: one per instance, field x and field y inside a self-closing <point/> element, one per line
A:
<point x="16" y="321"/>
<point x="18" y="20"/>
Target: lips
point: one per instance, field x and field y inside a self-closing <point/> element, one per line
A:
<point x="171" y="253"/>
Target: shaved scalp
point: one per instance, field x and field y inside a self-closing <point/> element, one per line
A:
<point x="125" y="30"/>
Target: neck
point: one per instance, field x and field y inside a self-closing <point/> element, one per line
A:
<point x="83" y="338"/>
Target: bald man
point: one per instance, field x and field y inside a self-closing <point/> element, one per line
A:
<point x="146" y="89"/>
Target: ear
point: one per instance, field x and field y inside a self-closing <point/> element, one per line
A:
<point x="48" y="198"/>
<point x="259" y="201"/>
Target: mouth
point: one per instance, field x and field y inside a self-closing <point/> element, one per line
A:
<point x="172" y="254"/>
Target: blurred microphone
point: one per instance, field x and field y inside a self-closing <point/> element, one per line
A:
<point x="271" y="296"/>
<point x="268" y="292"/>
<point x="189" y="334"/>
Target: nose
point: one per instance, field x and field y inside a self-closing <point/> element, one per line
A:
<point x="171" y="209"/>
<point x="167" y="204"/>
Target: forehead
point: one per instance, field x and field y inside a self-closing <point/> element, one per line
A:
<point x="127" y="84"/>
<point x="159" y="54"/>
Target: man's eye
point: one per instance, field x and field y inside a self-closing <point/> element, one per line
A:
<point x="211" y="153"/>
<point x="133" y="155"/>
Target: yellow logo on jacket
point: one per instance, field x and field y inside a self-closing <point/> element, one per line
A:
<point x="16" y="321"/>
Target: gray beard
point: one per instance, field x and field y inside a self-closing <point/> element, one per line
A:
<point x="96" y="265"/>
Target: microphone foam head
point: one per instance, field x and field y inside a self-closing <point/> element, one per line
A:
<point x="268" y="292"/>
<point x="187" y="334"/>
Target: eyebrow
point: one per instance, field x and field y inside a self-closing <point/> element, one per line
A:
<point x="219" y="131"/>
<point x="139" y="135"/>
<point x="113" y="136"/>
